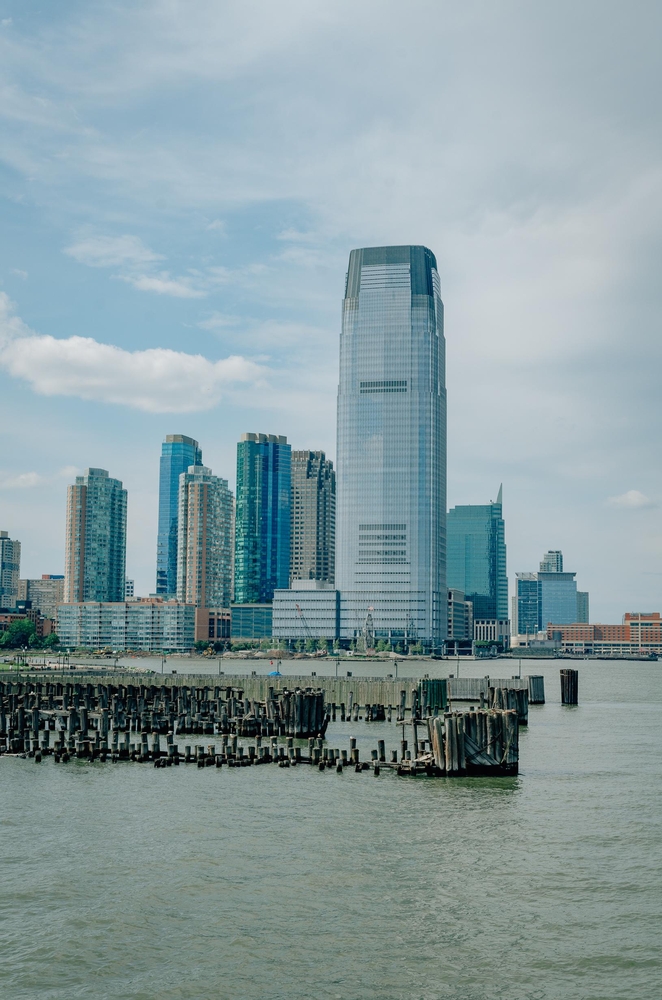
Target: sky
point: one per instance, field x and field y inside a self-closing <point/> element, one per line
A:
<point x="181" y="182"/>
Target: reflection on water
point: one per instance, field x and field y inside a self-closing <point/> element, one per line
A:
<point x="124" y="881"/>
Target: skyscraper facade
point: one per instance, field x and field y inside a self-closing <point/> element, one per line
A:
<point x="10" y="570"/>
<point x="477" y="557"/>
<point x="552" y="562"/>
<point x="391" y="465"/>
<point x="313" y="535"/>
<point x="95" y="551"/>
<point x="526" y="620"/>
<point x="204" y="555"/>
<point x="262" y="522"/>
<point x="178" y="453"/>
<point x="44" y="594"/>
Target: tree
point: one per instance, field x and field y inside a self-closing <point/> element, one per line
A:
<point x="21" y="632"/>
<point x="51" y="641"/>
<point x="201" y="645"/>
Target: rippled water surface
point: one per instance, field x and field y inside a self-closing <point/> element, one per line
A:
<point x="122" y="881"/>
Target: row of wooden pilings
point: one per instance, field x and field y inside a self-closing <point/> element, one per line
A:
<point x="471" y="743"/>
<point x="70" y="709"/>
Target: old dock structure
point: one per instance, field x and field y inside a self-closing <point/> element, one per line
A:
<point x="128" y="721"/>
<point x="569" y="686"/>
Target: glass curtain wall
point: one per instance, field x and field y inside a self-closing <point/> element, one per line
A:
<point x="391" y="466"/>
<point x="178" y="453"/>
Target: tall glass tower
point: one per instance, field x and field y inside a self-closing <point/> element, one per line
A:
<point x="391" y="463"/>
<point x="477" y="556"/>
<point x="178" y="453"/>
<point x="262" y="522"/>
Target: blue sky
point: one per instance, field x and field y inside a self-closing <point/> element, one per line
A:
<point x="181" y="185"/>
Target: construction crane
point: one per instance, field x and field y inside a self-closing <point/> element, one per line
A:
<point x="306" y="628"/>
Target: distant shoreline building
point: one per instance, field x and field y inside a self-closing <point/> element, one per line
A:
<point x="548" y="596"/>
<point x="204" y="554"/>
<point x="178" y="453"/>
<point x="45" y="593"/>
<point x="148" y="625"/>
<point x="263" y="519"/>
<point x="10" y="570"/>
<point x="95" y="552"/>
<point x="313" y="533"/>
<point x="477" y="557"/>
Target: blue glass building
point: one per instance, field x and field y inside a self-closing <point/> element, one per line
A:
<point x="178" y="452"/>
<point x="527" y="604"/>
<point x="391" y="463"/>
<point x="262" y="521"/>
<point x="477" y="557"/>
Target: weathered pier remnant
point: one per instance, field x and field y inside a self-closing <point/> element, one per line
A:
<point x="83" y="715"/>
<point x="507" y="697"/>
<point x="141" y="722"/>
<point x="536" y="689"/>
<point x="569" y="686"/>
<point x="477" y="742"/>
<point x="477" y="688"/>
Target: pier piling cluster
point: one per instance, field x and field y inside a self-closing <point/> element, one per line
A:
<point x="128" y="722"/>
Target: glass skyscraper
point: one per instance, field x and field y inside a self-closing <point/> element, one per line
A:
<point x="262" y="521"/>
<point x="178" y="453"/>
<point x="391" y="464"/>
<point x="477" y="557"/>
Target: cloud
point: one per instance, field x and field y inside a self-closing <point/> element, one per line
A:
<point x="632" y="499"/>
<point x="19" y="273"/>
<point x="217" y="225"/>
<point x="218" y="321"/>
<point x="163" y="284"/>
<point x="23" y="481"/>
<point x="155" y="380"/>
<point x="28" y="480"/>
<point x="112" y="251"/>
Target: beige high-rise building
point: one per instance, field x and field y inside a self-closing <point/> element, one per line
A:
<point x="10" y="570"/>
<point x="45" y="594"/>
<point x="313" y="506"/>
<point x="205" y="539"/>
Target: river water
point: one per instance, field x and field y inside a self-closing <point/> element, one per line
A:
<point x="122" y="881"/>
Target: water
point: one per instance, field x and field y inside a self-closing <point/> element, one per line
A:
<point x="122" y="881"/>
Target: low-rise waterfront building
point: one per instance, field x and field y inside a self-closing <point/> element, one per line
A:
<point x="492" y="630"/>
<point x="251" y="621"/>
<point x="639" y="634"/>
<point x="148" y="625"/>
<point x="310" y="609"/>
<point x="212" y="624"/>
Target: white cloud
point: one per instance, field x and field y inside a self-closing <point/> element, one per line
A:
<point x="6" y="21"/>
<point x="218" y="321"/>
<point x="631" y="499"/>
<point x="217" y="225"/>
<point x="163" y="284"/>
<point x="28" y="480"/>
<point x="19" y="273"/>
<point x="22" y="481"/>
<point x="112" y="251"/>
<point x="155" y="380"/>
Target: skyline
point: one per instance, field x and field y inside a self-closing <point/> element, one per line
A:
<point x="141" y="211"/>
